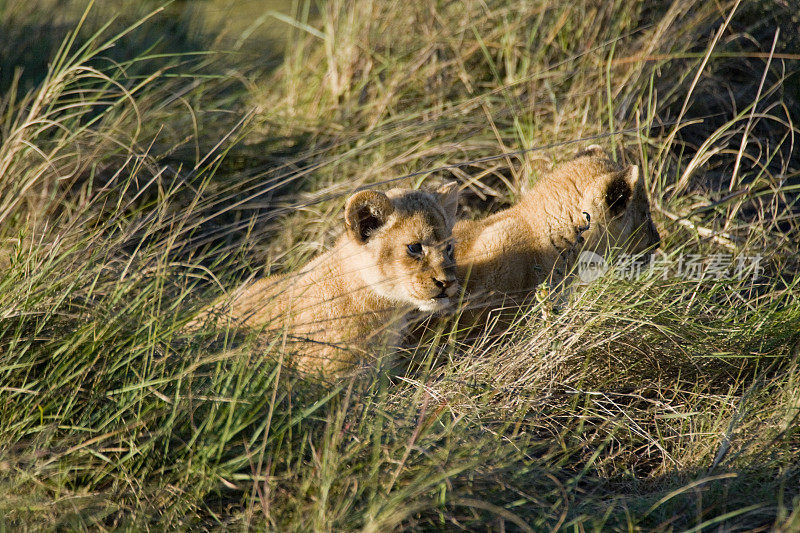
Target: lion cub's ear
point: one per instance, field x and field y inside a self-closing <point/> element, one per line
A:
<point x="618" y="189"/>
<point x="448" y="196"/>
<point x="365" y="212"/>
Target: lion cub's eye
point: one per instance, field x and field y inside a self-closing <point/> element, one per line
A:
<point x="414" y="250"/>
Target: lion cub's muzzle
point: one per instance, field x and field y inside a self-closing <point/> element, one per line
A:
<point x="441" y="292"/>
<point x="448" y="287"/>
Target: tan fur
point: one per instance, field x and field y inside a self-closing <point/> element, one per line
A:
<point x="349" y="303"/>
<point x="503" y="258"/>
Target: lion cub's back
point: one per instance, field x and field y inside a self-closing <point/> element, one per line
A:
<point x="494" y="254"/>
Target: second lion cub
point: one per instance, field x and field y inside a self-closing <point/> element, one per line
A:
<point x="504" y="257"/>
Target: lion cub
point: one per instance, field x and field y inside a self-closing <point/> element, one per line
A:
<point x="589" y="203"/>
<point x="395" y="256"/>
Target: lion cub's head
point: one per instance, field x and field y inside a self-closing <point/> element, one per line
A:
<point x="403" y="247"/>
<point x="617" y="202"/>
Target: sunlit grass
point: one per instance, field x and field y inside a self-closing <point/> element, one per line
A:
<point x="135" y="191"/>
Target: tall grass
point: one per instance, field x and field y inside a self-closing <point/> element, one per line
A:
<point x="136" y="190"/>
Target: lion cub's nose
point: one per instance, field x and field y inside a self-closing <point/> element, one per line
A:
<point x="447" y="287"/>
<point x="443" y="284"/>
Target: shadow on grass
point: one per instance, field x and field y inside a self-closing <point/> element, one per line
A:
<point x="193" y="136"/>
